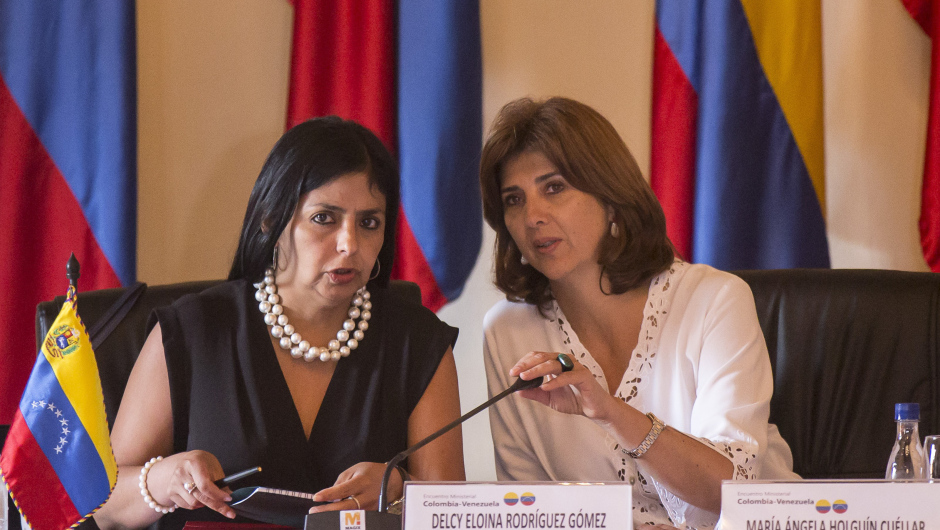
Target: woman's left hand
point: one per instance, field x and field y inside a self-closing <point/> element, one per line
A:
<point x="361" y="481"/>
<point x="573" y="392"/>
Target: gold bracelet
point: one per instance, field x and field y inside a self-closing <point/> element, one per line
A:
<point x="396" y="506"/>
<point x="651" y="437"/>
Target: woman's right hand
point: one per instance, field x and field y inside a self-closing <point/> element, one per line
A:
<point x="572" y="392"/>
<point x="187" y="480"/>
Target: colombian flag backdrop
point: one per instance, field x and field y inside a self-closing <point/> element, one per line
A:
<point x="411" y="71"/>
<point x="67" y="161"/>
<point x="737" y="131"/>
<point x="57" y="459"/>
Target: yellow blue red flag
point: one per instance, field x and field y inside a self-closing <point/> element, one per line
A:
<point x="737" y="131"/>
<point x="57" y="460"/>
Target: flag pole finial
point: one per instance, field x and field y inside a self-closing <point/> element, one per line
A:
<point x="72" y="271"/>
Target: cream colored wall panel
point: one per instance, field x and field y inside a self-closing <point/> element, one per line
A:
<point x="596" y="51"/>
<point x="876" y="63"/>
<point x="212" y="88"/>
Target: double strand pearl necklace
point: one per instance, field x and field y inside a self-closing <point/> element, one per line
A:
<point x="269" y="302"/>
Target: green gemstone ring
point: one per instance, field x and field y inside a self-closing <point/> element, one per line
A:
<point x="567" y="364"/>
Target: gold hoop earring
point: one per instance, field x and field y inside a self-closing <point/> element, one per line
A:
<point x="378" y="269"/>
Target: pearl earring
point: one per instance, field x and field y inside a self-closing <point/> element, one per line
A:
<point x="523" y="261"/>
<point x="614" y="230"/>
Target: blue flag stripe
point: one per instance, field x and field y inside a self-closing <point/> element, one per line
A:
<point x="71" y="69"/>
<point x="440" y="130"/>
<point x="51" y="420"/>
<point x="755" y="206"/>
<point x="679" y="22"/>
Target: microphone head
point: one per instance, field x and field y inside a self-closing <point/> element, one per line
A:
<point x="521" y="384"/>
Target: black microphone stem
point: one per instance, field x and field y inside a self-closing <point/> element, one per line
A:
<point x="397" y="459"/>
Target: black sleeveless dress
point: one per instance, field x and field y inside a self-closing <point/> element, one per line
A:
<point x="230" y="398"/>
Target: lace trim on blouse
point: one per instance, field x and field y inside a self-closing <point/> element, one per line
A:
<point x="652" y="503"/>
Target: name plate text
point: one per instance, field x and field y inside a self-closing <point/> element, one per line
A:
<point x="530" y="505"/>
<point x="830" y="505"/>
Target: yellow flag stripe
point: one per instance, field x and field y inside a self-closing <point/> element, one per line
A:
<point x="77" y="373"/>
<point x="788" y="36"/>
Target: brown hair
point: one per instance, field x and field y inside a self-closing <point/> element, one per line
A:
<point x="592" y="157"/>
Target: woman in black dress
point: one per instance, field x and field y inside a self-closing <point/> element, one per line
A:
<point x="253" y="372"/>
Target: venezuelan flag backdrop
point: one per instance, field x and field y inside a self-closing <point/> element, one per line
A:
<point x="411" y="71"/>
<point x="737" y="131"/>
<point x="57" y="459"/>
<point x="67" y="161"/>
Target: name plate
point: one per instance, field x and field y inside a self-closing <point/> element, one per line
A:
<point x="530" y="505"/>
<point x="829" y="505"/>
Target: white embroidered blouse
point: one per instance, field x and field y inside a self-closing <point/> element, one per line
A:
<point x="701" y="365"/>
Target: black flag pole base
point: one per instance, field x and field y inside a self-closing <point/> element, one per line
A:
<point x="335" y="521"/>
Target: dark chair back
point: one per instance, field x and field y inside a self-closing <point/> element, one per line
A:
<point x="846" y="345"/>
<point x="117" y="354"/>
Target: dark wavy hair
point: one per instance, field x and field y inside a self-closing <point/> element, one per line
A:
<point x="589" y="153"/>
<point x="309" y="155"/>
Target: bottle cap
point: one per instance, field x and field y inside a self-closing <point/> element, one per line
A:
<point x="907" y="412"/>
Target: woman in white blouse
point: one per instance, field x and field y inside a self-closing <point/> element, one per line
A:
<point x="671" y="383"/>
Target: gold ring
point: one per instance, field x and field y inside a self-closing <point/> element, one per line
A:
<point x="353" y="497"/>
<point x="189" y="486"/>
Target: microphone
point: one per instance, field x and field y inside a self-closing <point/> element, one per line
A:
<point x="382" y="520"/>
<point x="519" y="384"/>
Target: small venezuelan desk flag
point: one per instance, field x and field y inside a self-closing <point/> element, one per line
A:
<point x="57" y="460"/>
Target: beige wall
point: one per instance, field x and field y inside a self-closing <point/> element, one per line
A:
<point x="213" y="84"/>
<point x="876" y="63"/>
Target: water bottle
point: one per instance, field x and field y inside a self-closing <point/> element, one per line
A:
<point x="907" y="456"/>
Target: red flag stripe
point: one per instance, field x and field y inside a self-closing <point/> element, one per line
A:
<point x="343" y="63"/>
<point x="33" y="483"/>
<point x="410" y="264"/>
<point x="921" y="11"/>
<point x="672" y="161"/>
<point x="930" y="192"/>
<point x="36" y="200"/>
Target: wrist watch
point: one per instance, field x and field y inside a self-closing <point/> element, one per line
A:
<point x="651" y="437"/>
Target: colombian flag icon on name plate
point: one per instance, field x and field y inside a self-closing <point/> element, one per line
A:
<point x="57" y="460"/>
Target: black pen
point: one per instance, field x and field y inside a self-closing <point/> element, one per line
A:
<point x="222" y="482"/>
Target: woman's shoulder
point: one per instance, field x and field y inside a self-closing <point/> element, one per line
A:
<point x="220" y="301"/>
<point x="401" y="306"/>
<point x="705" y="280"/>
<point x="402" y="315"/>
<point x="509" y="314"/>
<point x="223" y="290"/>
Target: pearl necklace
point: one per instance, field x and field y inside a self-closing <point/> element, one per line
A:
<point x="270" y="305"/>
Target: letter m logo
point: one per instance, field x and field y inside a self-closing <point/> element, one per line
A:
<point x="352" y="519"/>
